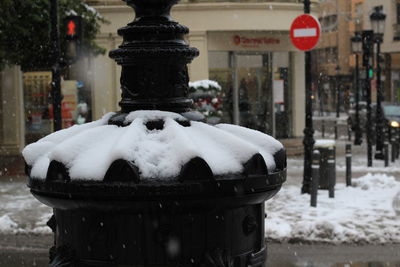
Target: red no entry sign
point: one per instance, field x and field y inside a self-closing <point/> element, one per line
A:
<point x="305" y="32"/>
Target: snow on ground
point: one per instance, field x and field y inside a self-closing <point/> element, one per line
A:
<point x="360" y="213"/>
<point x="20" y="212"/>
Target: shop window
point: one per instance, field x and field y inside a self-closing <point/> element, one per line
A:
<point x="255" y="89"/>
<point x="37" y="87"/>
<point x="75" y="104"/>
<point x="329" y="23"/>
<point x="220" y="70"/>
<point x="331" y="54"/>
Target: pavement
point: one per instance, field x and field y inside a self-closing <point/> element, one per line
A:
<point x="32" y="250"/>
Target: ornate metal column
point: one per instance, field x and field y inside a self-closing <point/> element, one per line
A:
<point x="153" y="57"/>
<point x="133" y="212"/>
<point x="56" y="69"/>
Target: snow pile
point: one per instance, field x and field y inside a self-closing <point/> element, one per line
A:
<point x="152" y="115"/>
<point x="361" y="213"/>
<point x="204" y="84"/>
<point x="7" y="224"/>
<point x="20" y="212"/>
<point x="88" y="150"/>
<point x="324" y="143"/>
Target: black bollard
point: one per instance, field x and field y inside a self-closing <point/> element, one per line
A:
<point x="393" y="146"/>
<point x="348" y="164"/>
<point x="397" y="143"/>
<point x="323" y="129"/>
<point x="315" y="177"/>
<point x="386" y="153"/>
<point x="349" y="132"/>
<point x="331" y="172"/>
<point x="336" y="129"/>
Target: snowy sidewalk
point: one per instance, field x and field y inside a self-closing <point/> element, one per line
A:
<point x="362" y="213"/>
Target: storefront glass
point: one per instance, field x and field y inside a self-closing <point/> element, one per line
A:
<point x="255" y="89"/>
<point x="75" y="104"/>
<point x="37" y="87"/>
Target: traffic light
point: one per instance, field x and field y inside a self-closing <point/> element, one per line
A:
<point x="367" y="45"/>
<point x="73" y="28"/>
<point x="371" y="73"/>
<point x="73" y="36"/>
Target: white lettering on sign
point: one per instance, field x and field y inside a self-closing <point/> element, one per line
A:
<point x="308" y="32"/>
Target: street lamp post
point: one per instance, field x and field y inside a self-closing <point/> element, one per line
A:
<point x="56" y="71"/>
<point x="367" y="37"/>
<point x="378" y="26"/>
<point x="356" y="49"/>
<point x="308" y="140"/>
<point x="337" y="85"/>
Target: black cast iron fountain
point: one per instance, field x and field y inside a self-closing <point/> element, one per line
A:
<point x="195" y="218"/>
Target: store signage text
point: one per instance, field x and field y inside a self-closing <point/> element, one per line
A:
<point x="254" y="42"/>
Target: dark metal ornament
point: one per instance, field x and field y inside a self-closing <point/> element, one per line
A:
<point x="154" y="58"/>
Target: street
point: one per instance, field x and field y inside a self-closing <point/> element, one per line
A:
<point x="32" y="250"/>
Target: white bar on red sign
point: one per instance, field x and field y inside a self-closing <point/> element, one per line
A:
<point x="310" y="32"/>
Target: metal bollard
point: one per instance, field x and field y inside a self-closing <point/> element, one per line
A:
<point x="315" y="177"/>
<point x="349" y="132"/>
<point x="336" y="130"/>
<point x="393" y="146"/>
<point x="331" y="172"/>
<point x="397" y="143"/>
<point x="386" y="153"/>
<point x="348" y="164"/>
<point x="323" y="129"/>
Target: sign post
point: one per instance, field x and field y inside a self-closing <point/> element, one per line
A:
<point x="304" y="34"/>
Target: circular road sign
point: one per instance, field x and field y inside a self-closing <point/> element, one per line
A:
<point x="305" y="32"/>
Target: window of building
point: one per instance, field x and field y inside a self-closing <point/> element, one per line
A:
<point x="396" y="33"/>
<point x="358" y="15"/>
<point x="329" y="23"/>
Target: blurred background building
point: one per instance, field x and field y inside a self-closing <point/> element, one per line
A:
<point x="333" y="61"/>
<point x="331" y="67"/>
<point x="244" y="46"/>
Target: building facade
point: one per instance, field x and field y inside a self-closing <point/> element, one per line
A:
<point x="390" y="47"/>
<point x="332" y="73"/>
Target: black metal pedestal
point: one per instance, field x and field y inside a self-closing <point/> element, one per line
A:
<point x="201" y="223"/>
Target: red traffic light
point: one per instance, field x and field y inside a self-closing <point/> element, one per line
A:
<point x="71" y="28"/>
